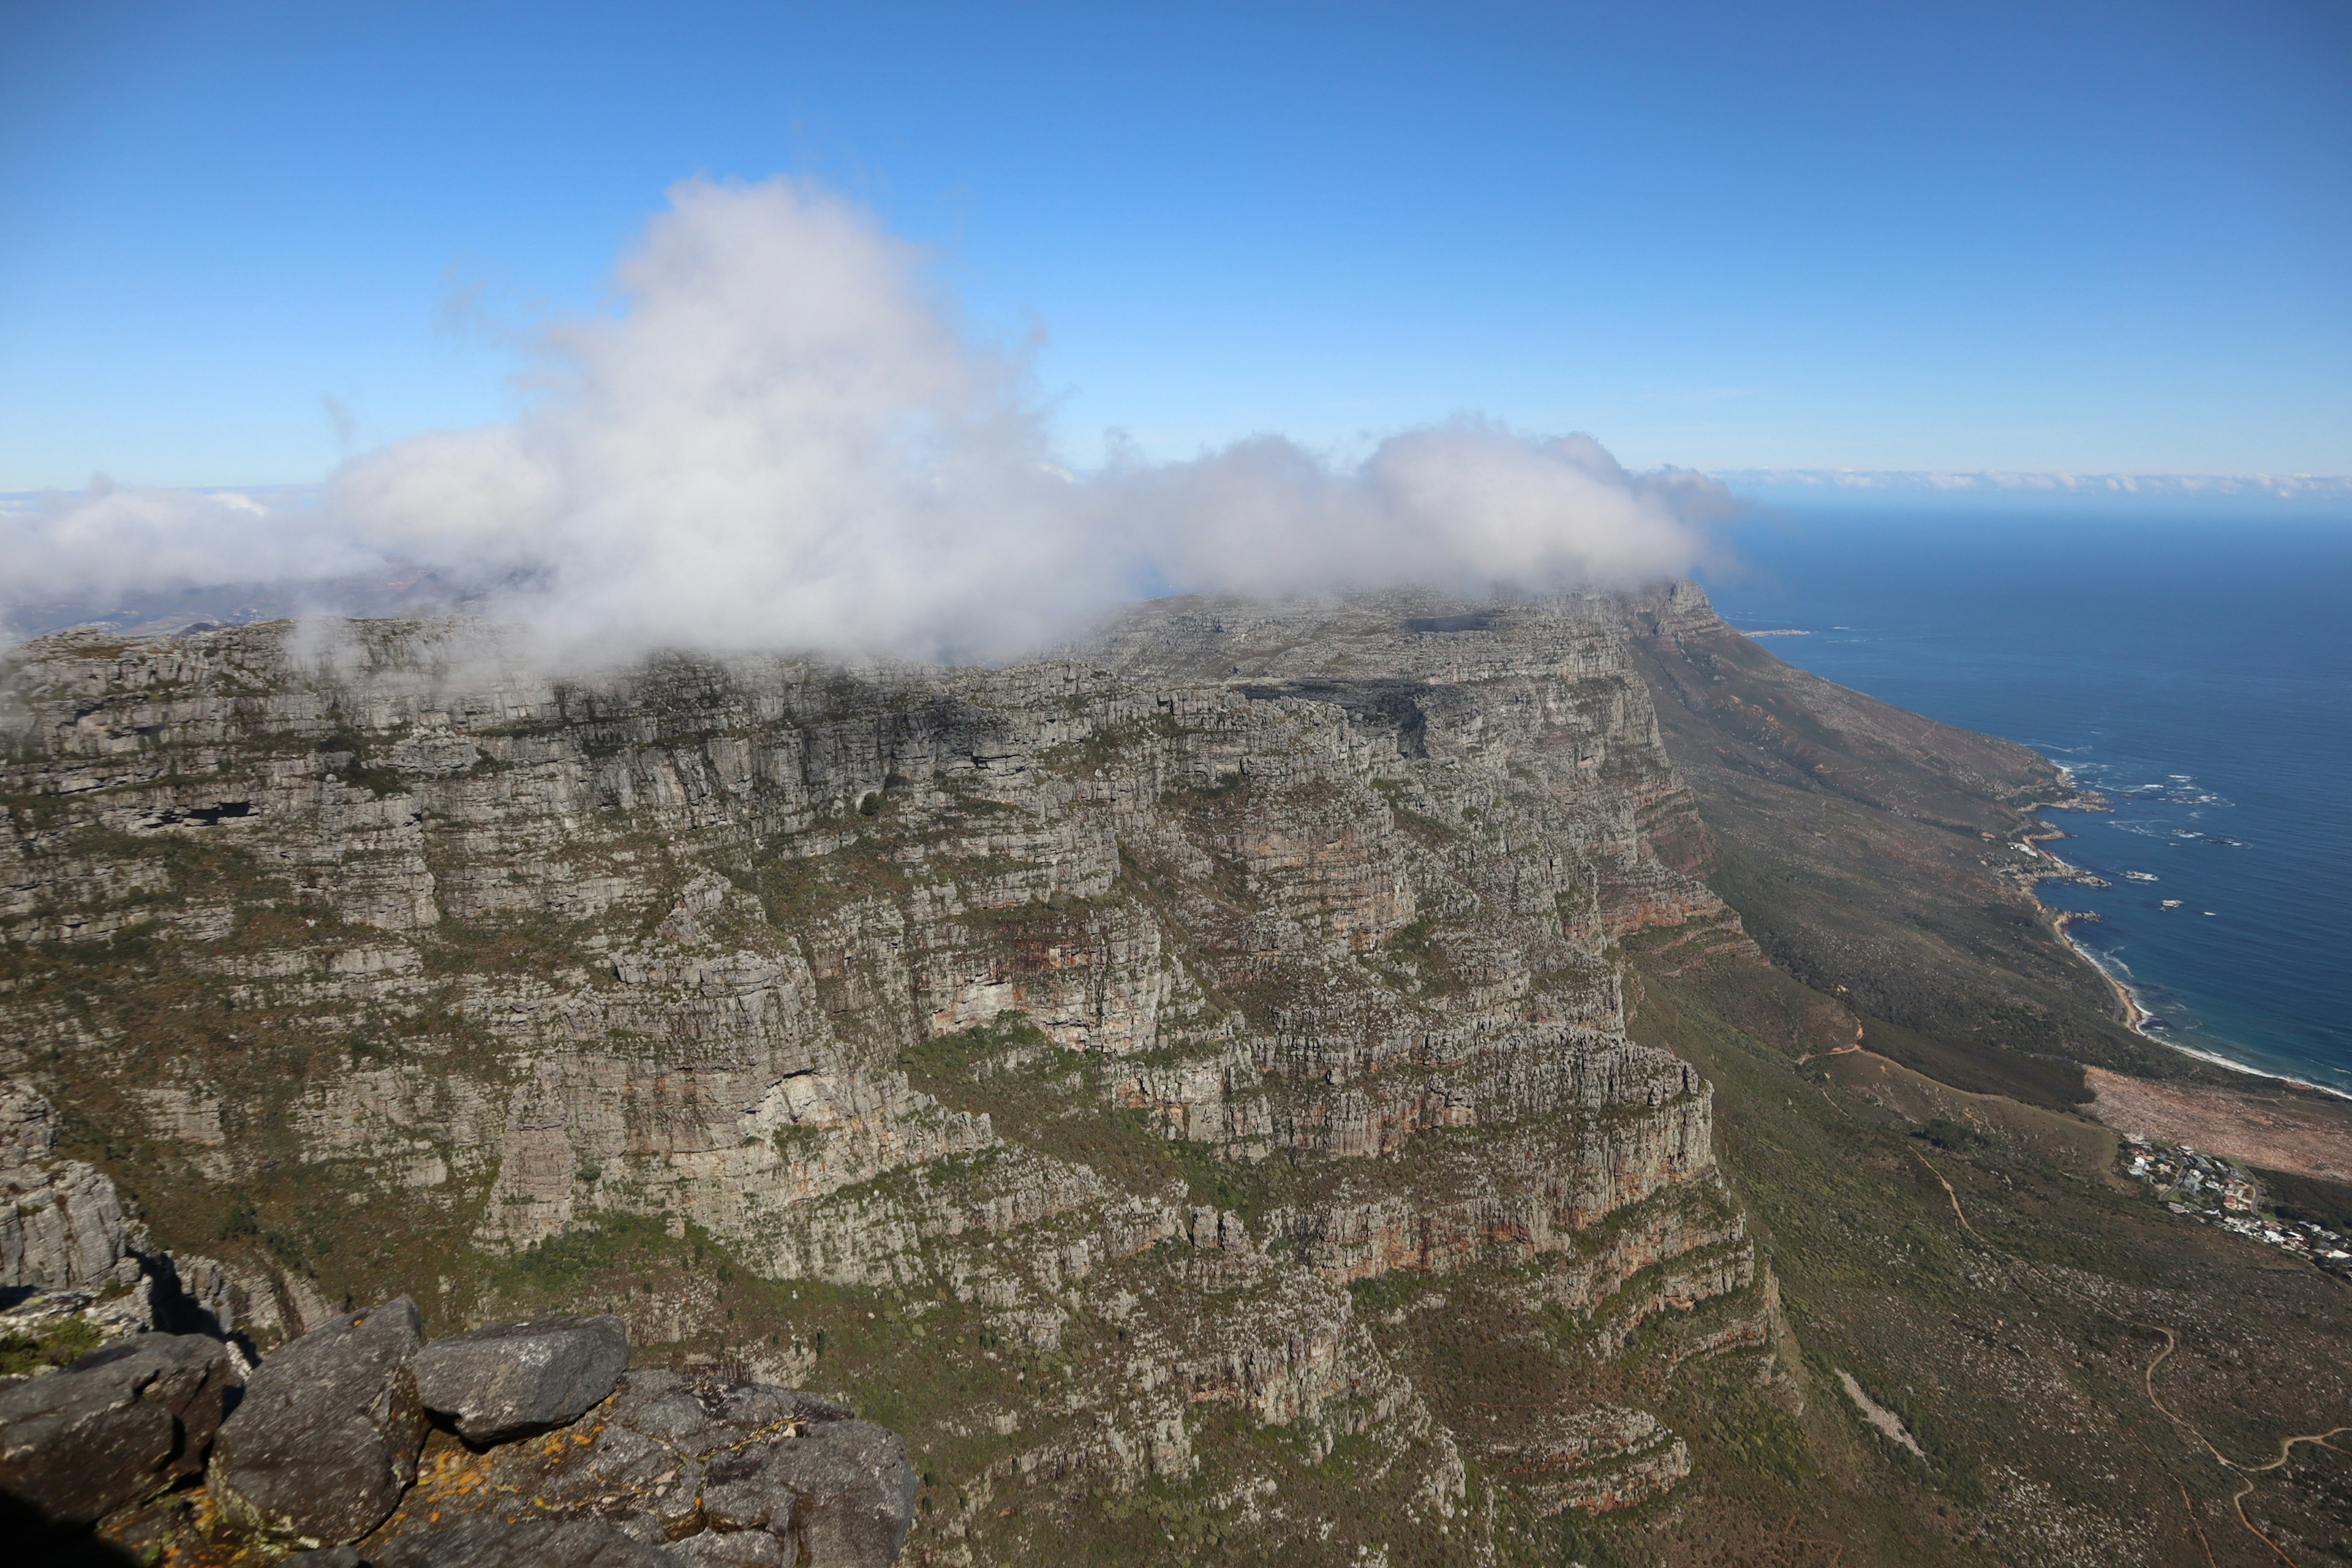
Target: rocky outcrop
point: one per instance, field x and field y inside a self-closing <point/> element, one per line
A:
<point x="1595" y="1460"/>
<point x="712" y="1469"/>
<point x="512" y="1380"/>
<point x="118" y="1427"/>
<point x="76" y="1271"/>
<point x="61" y="1226"/>
<point x="490" y="1543"/>
<point x="322" y="1454"/>
<point x="326" y="1438"/>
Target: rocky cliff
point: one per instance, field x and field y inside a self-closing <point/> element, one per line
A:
<point x="1144" y="1042"/>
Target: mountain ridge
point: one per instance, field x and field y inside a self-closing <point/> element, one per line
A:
<point x="1140" y="1040"/>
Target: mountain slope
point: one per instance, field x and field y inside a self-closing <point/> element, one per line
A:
<point x="1287" y="1079"/>
<point x="1046" y="1058"/>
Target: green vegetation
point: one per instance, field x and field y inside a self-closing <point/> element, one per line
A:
<point x="1044" y="1097"/>
<point x="2057" y="1284"/>
<point x="2307" y="1198"/>
<point x="56" y="1344"/>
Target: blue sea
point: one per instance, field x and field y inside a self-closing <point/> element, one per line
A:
<point x="2196" y="669"/>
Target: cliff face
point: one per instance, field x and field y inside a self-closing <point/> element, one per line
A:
<point x="1156" y="1015"/>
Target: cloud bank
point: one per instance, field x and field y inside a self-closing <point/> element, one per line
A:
<point x="780" y="437"/>
<point x="2320" y="488"/>
<point x="112" y="540"/>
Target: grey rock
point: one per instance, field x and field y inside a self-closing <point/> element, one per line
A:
<point x="67" y="1251"/>
<point x="197" y="1295"/>
<point x="523" y="1544"/>
<point x="117" y="1426"/>
<point x="846" y="1485"/>
<point x="666" y="1407"/>
<point x="326" y="1438"/>
<point x="701" y="1414"/>
<point x="856" y="1492"/>
<point x="742" y="1491"/>
<point x="61" y="1227"/>
<point x="28" y="1127"/>
<point x="730" y="1549"/>
<point x="713" y="1470"/>
<point x="327" y="1557"/>
<point x="763" y="1404"/>
<point x="511" y="1380"/>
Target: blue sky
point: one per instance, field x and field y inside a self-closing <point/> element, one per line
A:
<point x="239" y="242"/>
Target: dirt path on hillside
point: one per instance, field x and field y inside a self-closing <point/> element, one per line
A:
<point x="2248" y="1473"/>
<point x="2210" y="1106"/>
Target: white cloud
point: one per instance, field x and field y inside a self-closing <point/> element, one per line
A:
<point x="1467" y="506"/>
<point x="782" y="438"/>
<point x="111" y="541"/>
<point x="2326" y="489"/>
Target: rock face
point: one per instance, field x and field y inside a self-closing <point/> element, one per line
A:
<point x="74" y="1269"/>
<point x="1597" y="1460"/>
<point x="527" y="1543"/>
<point x="325" y="1439"/>
<point x="511" y="1380"/>
<point x="1143" y="1007"/>
<point x="717" y="1471"/>
<point x="61" y="1226"/>
<point x="117" y="1426"/>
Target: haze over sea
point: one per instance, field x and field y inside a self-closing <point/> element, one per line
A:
<point x="2195" y="668"/>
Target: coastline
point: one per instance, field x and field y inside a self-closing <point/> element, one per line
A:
<point x="2135" y="1012"/>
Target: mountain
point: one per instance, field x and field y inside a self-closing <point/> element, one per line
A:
<point x="1387" y="1079"/>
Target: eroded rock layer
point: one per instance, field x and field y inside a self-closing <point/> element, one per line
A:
<point x="1143" y="1007"/>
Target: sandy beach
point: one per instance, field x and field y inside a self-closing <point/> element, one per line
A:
<point x="2135" y="1014"/>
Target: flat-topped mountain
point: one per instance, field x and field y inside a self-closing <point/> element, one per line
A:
<point x="1294" y="1077"/>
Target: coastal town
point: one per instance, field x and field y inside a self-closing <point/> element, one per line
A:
<point x="2203" y="1187"/>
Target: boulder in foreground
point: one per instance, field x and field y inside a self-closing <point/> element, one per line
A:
<point x="512" y="1379"/>
<point x="117" y="1426"/>
<point x="326" y="1438"/>
<point x="709" y="1470"/>
<point x="493" y="1543"/>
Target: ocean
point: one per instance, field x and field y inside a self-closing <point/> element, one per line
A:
<point x="2196" y="669"/>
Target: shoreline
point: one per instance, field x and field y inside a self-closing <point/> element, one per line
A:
<point x="2135" y="1012"/>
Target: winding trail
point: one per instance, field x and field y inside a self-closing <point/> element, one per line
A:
<point x="1956" y="1200"/>
<point x="2286" y="1445"/>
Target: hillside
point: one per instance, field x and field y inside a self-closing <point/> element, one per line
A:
<point x="1343" y="1081"/>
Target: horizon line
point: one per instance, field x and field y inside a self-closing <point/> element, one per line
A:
<point x="2284" y="486"/>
